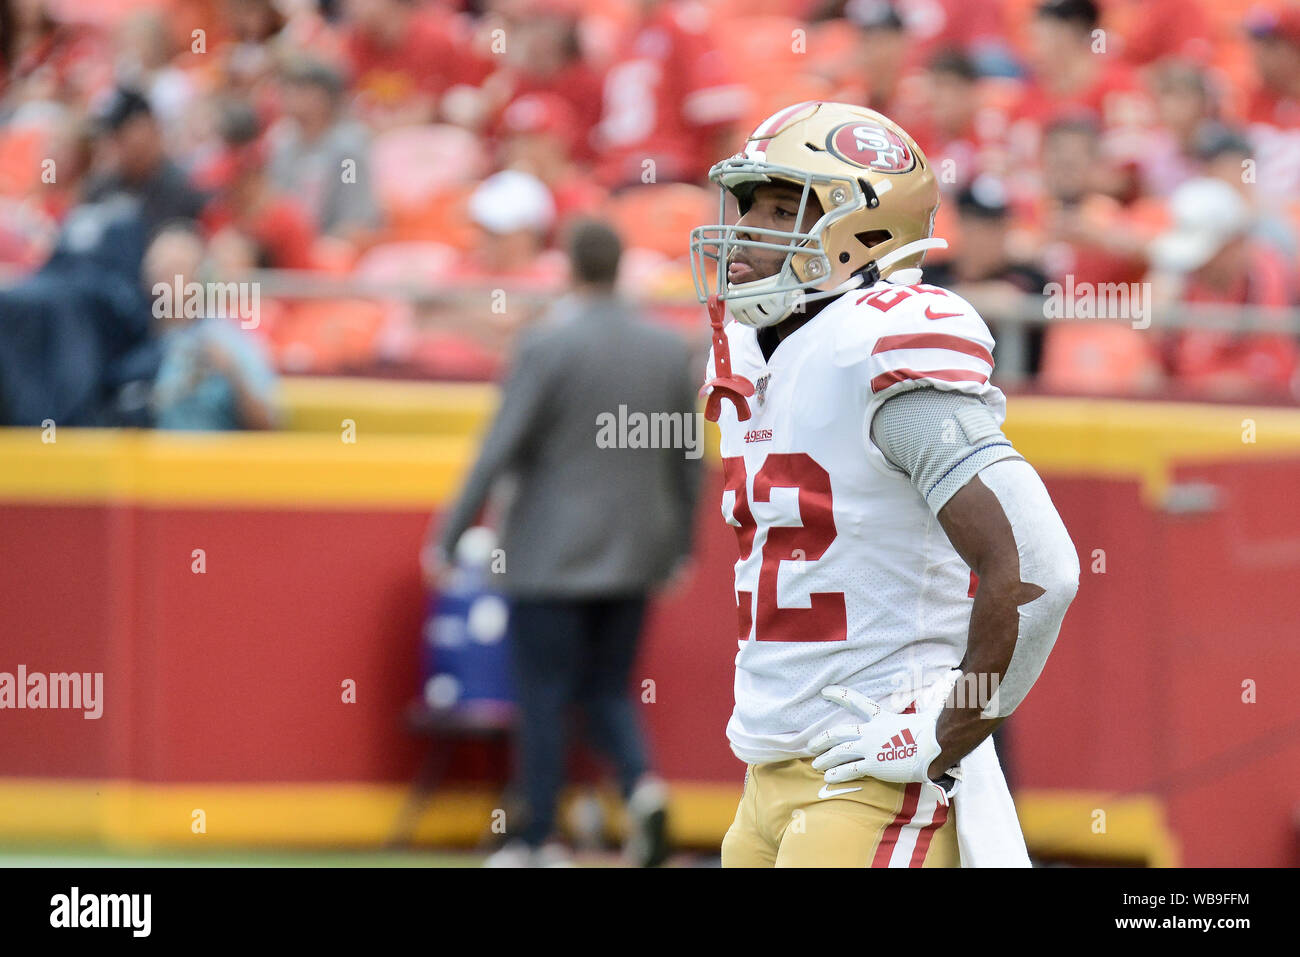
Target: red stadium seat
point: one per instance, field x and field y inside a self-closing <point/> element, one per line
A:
<point x="442" y="217"/>
<point x="1098" y="357"/>
<point x="329" y="335"/>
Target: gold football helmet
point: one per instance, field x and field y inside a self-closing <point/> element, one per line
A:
<point x="878" y="196"/>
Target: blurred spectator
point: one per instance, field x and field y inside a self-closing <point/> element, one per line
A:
<point x="31" y="214"/>
<point x="512" y="215"/>
<point x="545" y="56"/>
<point x="75" y="332"/>
<point x="669" y="105"/>
<point x="321" y="157"/>
<point x="983" y="268"/>
<point x="1184" y="110"/>
<point x="882" y="53"/>
<point x="1273" y="109"/>
<point x="146" y="51"/>
<point x="515" y="213"/>
<point x="1084" y="228"/>
<point x="1227" y="155"/>
<point x="47" y="64"/>
<point x="1208" y="256"/>
<point x="539" y="132"/>
<point x="213" y="375"/>
<point x="1089" y="241"/>
<point x="1075" y="74"/>
<point x="1152" y="30"/>
<point x="924" y="28"/>
<point x="958" y="147"/>
<point x="976" y="29"/>
<point x="580" y="568"/>
<point x="405" y="56"/>
<point x="274" y="221"/>
<point x="130" y="152"/>
<point x="72" y="147"/>
<point x="247" y="58"/>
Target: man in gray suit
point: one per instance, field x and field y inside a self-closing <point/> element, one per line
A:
<point x="599" y="431"/>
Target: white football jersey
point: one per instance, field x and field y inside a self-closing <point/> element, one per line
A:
<point x="845" y="575"/>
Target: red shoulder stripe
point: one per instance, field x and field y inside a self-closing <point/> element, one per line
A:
<point x="886" y="379"/>
<point x="933" y="340"/>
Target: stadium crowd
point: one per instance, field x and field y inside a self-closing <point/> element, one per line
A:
<point x="437" y="150"/>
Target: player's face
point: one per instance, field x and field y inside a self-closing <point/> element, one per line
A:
<point x="775" y="206"/>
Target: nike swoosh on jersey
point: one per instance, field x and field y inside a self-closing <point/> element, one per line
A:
<point x="825" y="792"/>
<point x="931" y="314"/>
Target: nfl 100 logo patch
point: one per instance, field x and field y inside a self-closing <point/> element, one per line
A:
<point x="760" y="388"/>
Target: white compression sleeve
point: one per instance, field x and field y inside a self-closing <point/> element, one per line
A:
<point x="1047" y="559"/>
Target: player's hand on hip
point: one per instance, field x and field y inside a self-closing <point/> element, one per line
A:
<point x="889" y="747"/>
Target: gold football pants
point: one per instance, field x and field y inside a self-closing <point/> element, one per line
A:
<point x="789" y="817"/>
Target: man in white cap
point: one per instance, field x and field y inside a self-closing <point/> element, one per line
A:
<point x="514" y="212"/>
<point x="515" y="218"/>
<point x="1209" y="256"/>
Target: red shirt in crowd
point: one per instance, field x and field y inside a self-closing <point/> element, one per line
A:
<point x="280" y="229"/>
<point x="428" y="59"/>
<point x="582" y="88"/>
<point x="71" y="62"/>
<point x="1261" y="360"/>
<point x="1115" y="100"/>
<point x="1154" y="29"/>
<point x="935" y="25"/>
<point x="1274" y="129"/>
<point x="665" y="98"/>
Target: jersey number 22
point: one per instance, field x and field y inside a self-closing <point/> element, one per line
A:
<point x="826" y="618"/>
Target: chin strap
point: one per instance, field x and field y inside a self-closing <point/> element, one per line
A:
<point x="724" y="385"/>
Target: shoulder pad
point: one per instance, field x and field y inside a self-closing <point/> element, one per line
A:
<point x="910" y="335"/>
<point x="887" y="317"/>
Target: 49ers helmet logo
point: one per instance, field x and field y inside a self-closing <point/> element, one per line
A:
<point x="871" y="146"/>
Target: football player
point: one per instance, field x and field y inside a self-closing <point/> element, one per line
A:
<point x="903" y="573"/>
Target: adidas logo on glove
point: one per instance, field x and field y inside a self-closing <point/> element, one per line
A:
<point x="898" y="747"/>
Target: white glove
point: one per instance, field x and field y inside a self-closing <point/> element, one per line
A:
<point x="889" y="747"/>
